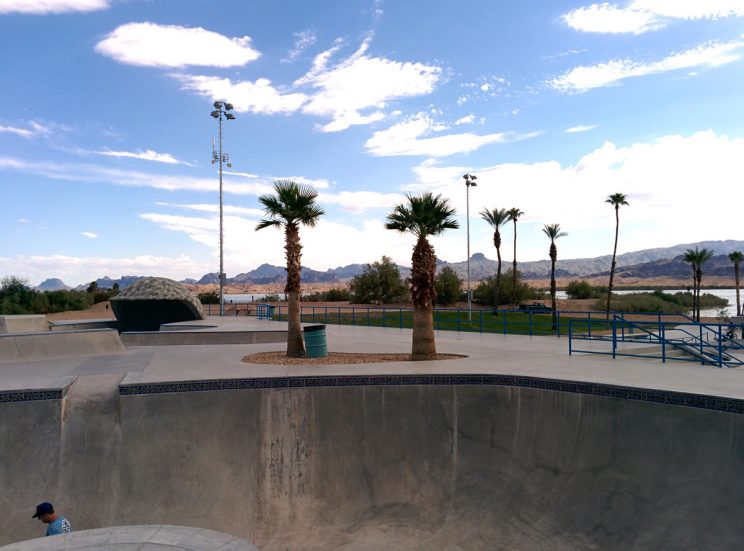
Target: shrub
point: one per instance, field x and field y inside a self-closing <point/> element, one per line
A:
<point x="485" y="292"/>
<point x="448" y="286"/>
<point x="379" y="283"/>
<point x="209" y="297"/>
<point x="579" y="289"/>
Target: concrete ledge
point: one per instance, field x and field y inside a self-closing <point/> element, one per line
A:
<point x="181" y="337"/>
<point x="21" y="347"/>
<point x="700" y="401"/>
<point x="83" y="325"/>
<point x="23" y="324"/>
<point x="121" y="538"/>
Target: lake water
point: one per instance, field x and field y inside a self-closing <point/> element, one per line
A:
<point x="243" y="298"/>
<point x="728" y="294"/>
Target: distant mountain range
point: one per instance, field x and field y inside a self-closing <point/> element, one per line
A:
<point x="650" y="263"/>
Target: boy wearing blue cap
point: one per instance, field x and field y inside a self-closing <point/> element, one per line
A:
<point x="57" y="524"/>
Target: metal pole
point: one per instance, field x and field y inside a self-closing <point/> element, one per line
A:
<point x="221" y="275"/>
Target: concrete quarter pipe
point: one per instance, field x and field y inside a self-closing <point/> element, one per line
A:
<point x="381" y="465"/>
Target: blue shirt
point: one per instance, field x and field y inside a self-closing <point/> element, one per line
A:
<point x="58" y="526"/>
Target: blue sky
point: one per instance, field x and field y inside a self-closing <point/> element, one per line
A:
<point x="106" y="137"/>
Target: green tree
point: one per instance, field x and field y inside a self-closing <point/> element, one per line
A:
<point x="447" y="285"/>
<point x="16" y="296"/>
<point x="485" y="292"/>
<point x="496" y="218"/>
<point x="379" y="283"/>
<point x="553" y="231"/>
<point x="696" y="258"/>
<point x="736" y="257"/>
<point x="422" y="216"/>
<point x="579" y="289"/>
<point x="616" y="200"/>
<point x="92" y="288"/>
<point x="209" y="297"/>
<point x="291" y="206"/>
<point x="514" y="214"/>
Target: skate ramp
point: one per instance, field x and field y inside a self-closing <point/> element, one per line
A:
<point x="381" y="466"/>
<point x="22" y="347"/>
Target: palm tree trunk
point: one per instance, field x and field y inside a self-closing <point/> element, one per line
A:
<point x="295" y="343"/>
<point x="423" y="293"/>
<point x="614" y="255"/>
<point x="423" y="345"/>
<point x="498" y="281"/>
<point x="293" y="248"/>
<point x="514" y="268"/>
<point x="699" y="279"/>
<point x="553" y="257"/>
<point x="738" y="302"/>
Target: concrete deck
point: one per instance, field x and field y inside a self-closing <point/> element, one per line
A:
<point x="488" y="354"/>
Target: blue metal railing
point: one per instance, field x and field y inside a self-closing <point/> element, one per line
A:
<point x="705" y="343"/>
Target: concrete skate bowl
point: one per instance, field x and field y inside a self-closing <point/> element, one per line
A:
<point x="425" y="462"/>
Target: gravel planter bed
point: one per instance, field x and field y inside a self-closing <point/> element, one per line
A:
<point x="280" y="358"/>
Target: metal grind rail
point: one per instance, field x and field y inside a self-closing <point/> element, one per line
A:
<point x="688" y="341"/>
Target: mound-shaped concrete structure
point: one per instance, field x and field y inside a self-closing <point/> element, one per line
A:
<point x="153" y="301"/>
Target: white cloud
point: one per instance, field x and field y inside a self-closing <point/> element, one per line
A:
<point x="214" y="208"/>
<point x="640" y="16"/>
<point x="357" y="89"/>
<point x="152" y="45"/>
<point x="709" y="9"/>
<point x="89" y="234"/>
<point x="95" y="174"/>
<point x="246" y="96"/>
<point x="147" y="155"/>
<point x="360" y="201"/>
<point x="39" y="7"/>
<point x="35" y="131"/>
<point x="608" y="18"/>
<point x="408" y="138"/>
<point x="581" y="128"/>
<point x="662" y="179"/>
<point x="303" y="40"/>
<point x="467" y="119"/>
<point x="583" y="78"/>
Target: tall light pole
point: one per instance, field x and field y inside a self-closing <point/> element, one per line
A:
<point x="221" y="112"/>
<point x="469" y="181"/>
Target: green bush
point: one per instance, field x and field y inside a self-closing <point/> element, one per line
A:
<point x="379" y="283"/>
<point x="485" y="292"/>
<point x="448" y="286"/>
<point x="579" y="289"/>
<point x="17" y="297"/>
<point x="642" y="302"/>
<point x="209" y="297"/>
<point x="331" y="295"/>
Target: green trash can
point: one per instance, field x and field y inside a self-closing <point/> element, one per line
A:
<point x="315" y="341"/>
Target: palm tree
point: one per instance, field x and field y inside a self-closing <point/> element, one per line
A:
<point x="736" y="257"/>
<point x="496" y="218"/>
<point x="616" y="200"/>
<point x="553" y="231"/>
<point x="697" y="258"/>
<point x="691" y="257"/>
<point x="422" y="216"/>
<point x="291" y="206"/>
<point x="514" y="214"/>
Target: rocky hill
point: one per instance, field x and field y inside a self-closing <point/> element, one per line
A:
<point x="649" y="263"/>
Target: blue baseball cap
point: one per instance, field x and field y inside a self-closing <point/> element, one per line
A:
<point x="43" y="509"/>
